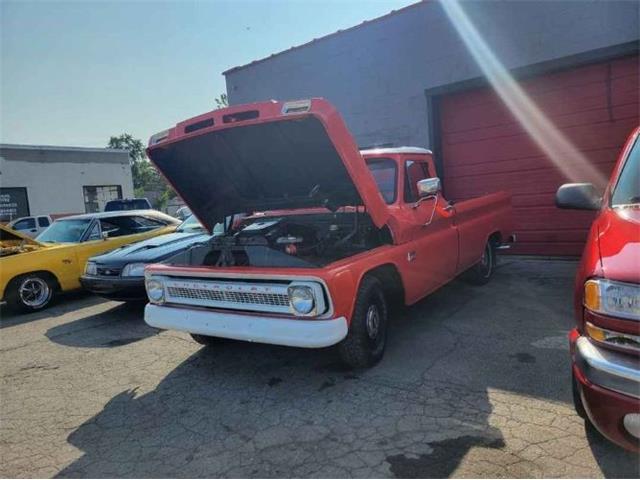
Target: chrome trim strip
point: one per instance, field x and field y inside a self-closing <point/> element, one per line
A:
<point x="613" y="370"/>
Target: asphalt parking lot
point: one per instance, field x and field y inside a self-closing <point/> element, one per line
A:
<point x="474" y="383"/>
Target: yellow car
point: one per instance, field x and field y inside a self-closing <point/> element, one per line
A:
<point x="32" y="272"/>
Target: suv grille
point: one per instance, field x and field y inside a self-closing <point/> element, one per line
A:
<point x="107" y="272"/>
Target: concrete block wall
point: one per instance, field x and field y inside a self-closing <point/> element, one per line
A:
<point x="377" y="74"/>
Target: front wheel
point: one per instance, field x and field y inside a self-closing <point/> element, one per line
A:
<point x="365" y="343"/>
<point x="481" y="272"/>
<point x="30" y="292"/>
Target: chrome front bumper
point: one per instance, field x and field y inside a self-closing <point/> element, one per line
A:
<point x="250" y="327"/>
<point x="612" y="370"/>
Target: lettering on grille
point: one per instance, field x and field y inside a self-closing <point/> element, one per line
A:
<point x="259" y="297"/>
<point x="230" y="297"/>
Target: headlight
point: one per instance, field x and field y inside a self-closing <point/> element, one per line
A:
<point x="155" y="290"/>
<point x="133" y="270"/>
<point x="617" y="299"/>
<point x="91" y="268"/>
<point x="302" y="300"/>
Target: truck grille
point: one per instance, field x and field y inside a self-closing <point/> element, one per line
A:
<point x="233" y="297"/>
<point x="263" y="297"/>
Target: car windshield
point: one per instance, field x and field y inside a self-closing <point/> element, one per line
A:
<point x="65" y="231"/>
<point x="627" y="190"/>
<point x="190" y="224"/>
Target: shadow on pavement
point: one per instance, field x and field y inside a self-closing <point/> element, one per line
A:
<point x="118" y="326"/>
<point x="250" y="410"/>
<point x="614" y="462"/>
<point x="65" y="303"/>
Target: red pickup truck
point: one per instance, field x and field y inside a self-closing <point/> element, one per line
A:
<point x="605" y="345"/>
<point x="330" y="234"/>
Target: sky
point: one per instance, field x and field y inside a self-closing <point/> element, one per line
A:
<point x="75" y="73"/>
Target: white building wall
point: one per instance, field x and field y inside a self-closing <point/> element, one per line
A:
<point x="55" y="187"/>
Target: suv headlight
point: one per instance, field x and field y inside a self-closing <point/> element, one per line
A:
<point x="302" y="299"/>
<point x="133" y="270"/>
<point x="91" y="268"/>
<point x="616" y="299"/>
<point x="155" y="290"/>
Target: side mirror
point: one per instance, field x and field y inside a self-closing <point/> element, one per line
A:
<point x="578" y="196"/>
<point x="428" y="187"/>
<point x="105" y="235"/>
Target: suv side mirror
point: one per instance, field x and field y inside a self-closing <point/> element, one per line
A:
<point x="578" y="196"/>
<point x="428" y="187"/>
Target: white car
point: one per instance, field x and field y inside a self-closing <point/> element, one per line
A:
<point x="31" y="226"/>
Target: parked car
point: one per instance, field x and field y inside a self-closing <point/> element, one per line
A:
<point x="119" y="274"/>
<point x="338" y="234"/>
<point x="127" y="204"/>
<point x="605" y="345"/>
<point x="31" y="274"/>
<point x="30" y="226"/>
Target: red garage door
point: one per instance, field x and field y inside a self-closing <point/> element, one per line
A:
<point x="484" y="148"/>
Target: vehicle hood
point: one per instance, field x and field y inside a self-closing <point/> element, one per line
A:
<point x="266" y="156"/>
<point x="619" y="243"/>
<point x="152" y="250"/>
<point x="10" y="237"/>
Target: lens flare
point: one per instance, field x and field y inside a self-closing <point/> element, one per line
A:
<point x="572" y="163"/>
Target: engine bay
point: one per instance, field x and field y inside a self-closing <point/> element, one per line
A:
<point x="306" y="240"/>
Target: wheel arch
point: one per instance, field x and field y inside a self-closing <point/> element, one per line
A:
<point x="46" y="273"/>
<point x="391" y="280"/>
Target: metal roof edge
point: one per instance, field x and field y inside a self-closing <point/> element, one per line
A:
<point x="59" y="148"/>
<point x="324" y="37"/>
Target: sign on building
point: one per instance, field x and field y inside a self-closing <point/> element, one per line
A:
<point x="14" y="203"/>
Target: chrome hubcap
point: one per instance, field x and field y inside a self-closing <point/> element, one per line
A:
<point x="34" y="292"/>
<point x="373" y="321"/>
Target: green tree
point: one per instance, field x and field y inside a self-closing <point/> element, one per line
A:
<point x="145" y="176"/>
<point x="222" y="101"/>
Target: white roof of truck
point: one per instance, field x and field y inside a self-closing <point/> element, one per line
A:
<point x="391" y="150"/>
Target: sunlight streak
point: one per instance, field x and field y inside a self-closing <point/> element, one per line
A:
<point x="572" y="163"/>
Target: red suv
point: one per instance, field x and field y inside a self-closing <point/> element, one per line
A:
<point x="605" y="345"/>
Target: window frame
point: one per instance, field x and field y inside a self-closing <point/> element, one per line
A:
<point x="406" y="188"/>
<point x="395" y="176"/>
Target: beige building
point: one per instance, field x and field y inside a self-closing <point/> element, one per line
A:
<point x="58" y="181"/>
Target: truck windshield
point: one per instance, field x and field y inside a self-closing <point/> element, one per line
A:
<point x="627" y="190"/>
<point x="65" y="231"/>
<point x="384" y="172"/>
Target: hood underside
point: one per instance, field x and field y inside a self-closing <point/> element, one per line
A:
<point x="276" y="163"/>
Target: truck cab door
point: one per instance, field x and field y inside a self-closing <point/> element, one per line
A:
<point x="433" y="253"/>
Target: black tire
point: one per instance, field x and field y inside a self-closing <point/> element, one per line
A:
<point x="204" y="339"/>
<point x="367" y="338"/>
<point x="481" y="272"/>
<point x="577" y="400"/>
<point x="31" y="292"/>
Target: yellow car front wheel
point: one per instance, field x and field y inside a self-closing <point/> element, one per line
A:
<point x="31" y="292"/>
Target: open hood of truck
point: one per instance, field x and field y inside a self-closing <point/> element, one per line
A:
<point x="266" y="156"/>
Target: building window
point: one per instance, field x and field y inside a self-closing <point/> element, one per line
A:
<point x="95" y="196"/>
